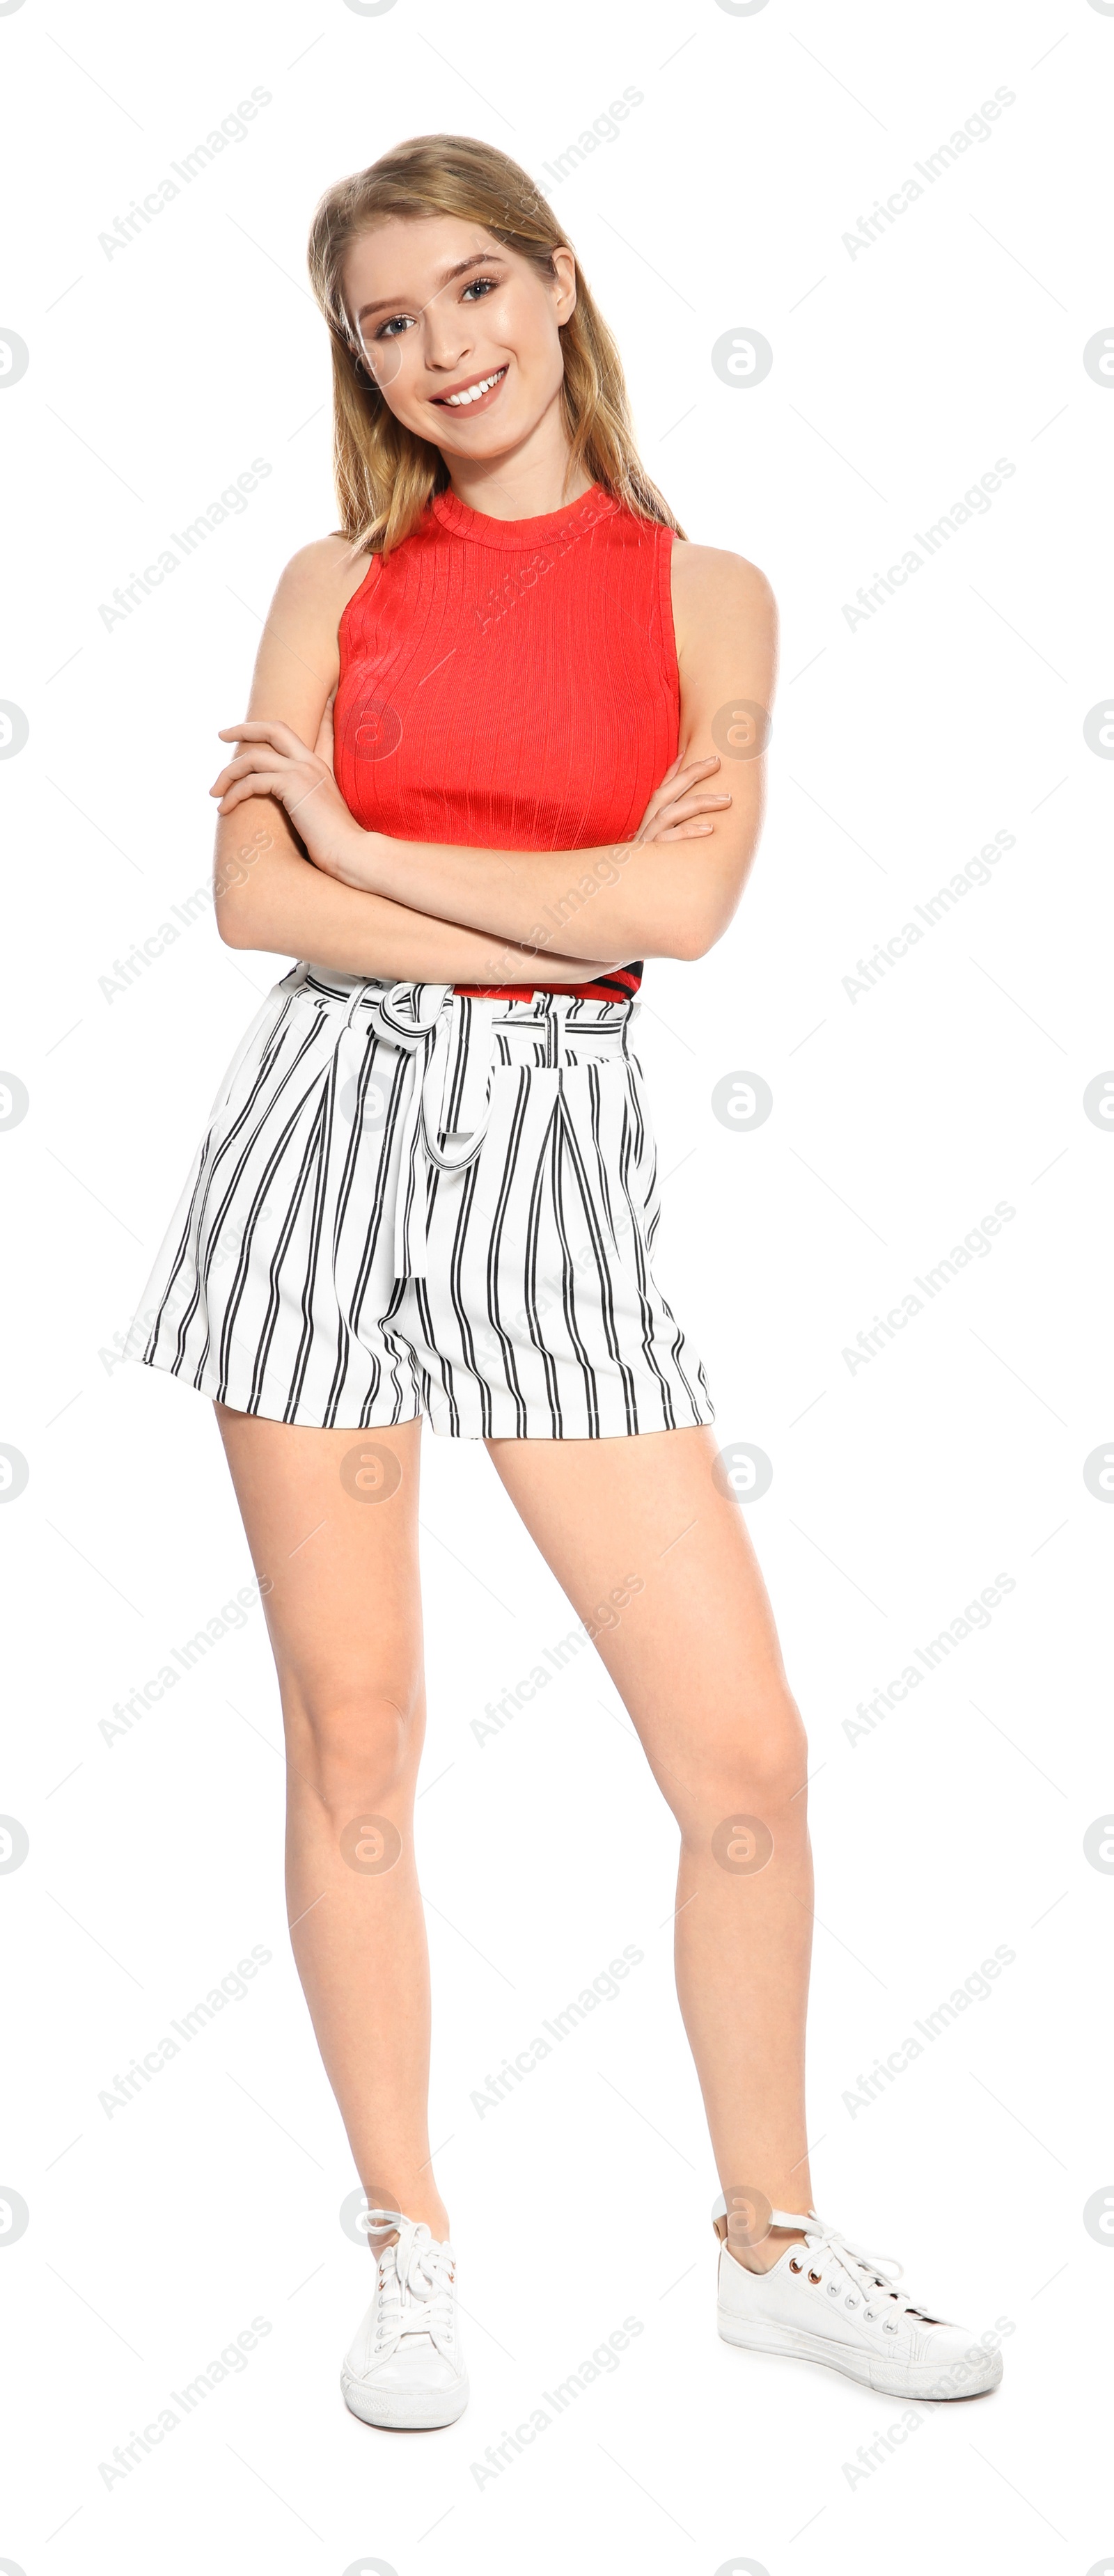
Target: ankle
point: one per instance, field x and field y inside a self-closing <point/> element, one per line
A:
<point x="763" y="2256"/>
<point x="431" y="2214"/>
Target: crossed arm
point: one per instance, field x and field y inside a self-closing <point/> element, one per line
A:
<point x="427" y="911"/>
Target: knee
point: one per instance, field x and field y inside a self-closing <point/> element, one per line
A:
<point x="355" y="1744"/>
<point x="752" y="1762"/>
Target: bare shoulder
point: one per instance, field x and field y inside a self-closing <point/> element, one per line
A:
<point x="320" y="579"/>
<point x="710" y="583"/>
<point x="725" y="622"/>
<point x="298" y="663"/>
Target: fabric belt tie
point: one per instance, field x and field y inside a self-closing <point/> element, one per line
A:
<point x="446" y="1096"/>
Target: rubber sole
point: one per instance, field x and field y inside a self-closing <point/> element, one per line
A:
<point x="889" y="2378"/>
<point x="394" y="2411"/>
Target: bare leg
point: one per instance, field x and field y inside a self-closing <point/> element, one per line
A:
<point x="695" y="1655"/>
<point x="344" y="1613"/>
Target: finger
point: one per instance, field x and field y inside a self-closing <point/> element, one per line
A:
<point x="260" y="786"/>
<point x="677" y="832"/>
<point x="256" y="729"/>
<point x="251" y="730"/>
<point x="685" y="813"/>
<point x="707" y="760"/>
<point x="676" y="781"/>
<point x="280" y="782"/>
<point x="663" y="825"/>
<point x="263" y="758"/>
<point x="679" y="810"/>
<point x="263" y="755"/>
<point x="696" y="768"/>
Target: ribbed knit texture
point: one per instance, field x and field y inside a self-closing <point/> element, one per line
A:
<point x="512" y="684"/>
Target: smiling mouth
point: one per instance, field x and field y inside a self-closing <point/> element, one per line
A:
<point x="467" y="396"/>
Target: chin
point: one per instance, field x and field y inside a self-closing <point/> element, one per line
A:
<point x="484" y="451"/>
<point x="487" y="438"/>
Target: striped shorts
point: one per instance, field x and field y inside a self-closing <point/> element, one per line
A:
<point x="412" y="1201"/>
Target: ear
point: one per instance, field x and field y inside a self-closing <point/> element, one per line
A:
<point x="564" y="262"/>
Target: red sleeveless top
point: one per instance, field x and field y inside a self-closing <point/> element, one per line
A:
<point x="512" y="684"/>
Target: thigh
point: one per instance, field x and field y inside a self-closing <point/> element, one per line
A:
<point x="658" y="1563"/>
<point x="332" y="1523"/>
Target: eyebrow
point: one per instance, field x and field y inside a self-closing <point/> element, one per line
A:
<point x="393" y="303"/>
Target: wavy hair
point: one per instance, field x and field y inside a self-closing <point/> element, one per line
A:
<point x="385" y="474"/>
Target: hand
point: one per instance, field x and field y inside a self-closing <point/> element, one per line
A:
<point x="673" y="811"/>
<point x="274" y="762"/>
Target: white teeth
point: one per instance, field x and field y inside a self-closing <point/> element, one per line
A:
<point x="472" y="392"/>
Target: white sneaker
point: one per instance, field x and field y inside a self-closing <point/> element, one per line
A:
<point x="829" y="2301"/>
<point x="405" y="2369"/>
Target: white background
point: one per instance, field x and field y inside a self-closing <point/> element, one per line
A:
<point x="900" y="1118"/>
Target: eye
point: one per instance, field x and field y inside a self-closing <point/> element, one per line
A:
<point x="390" y="330"/>
<point x="477" y="285"/>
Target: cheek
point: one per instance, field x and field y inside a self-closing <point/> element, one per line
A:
<point x="397" y="367"/>
<point x="538" y="370"/>
<point x="398" y="360"/>
<point x="522" y="326"/>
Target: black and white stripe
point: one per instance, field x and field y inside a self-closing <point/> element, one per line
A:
<point x="414" y="1201"/>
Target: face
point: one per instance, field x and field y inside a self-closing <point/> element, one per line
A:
<point x="459" y="334"/>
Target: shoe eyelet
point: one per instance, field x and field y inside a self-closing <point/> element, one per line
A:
<point x="833" y="2289"/>
<point x="815" y="2277"/>
<point x="870" y="2317"/>
<point x="849" y="2302"/>
<point x="794" y="2266"/>
<point x="887" y="2328"/>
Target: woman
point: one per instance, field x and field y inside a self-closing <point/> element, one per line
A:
<point x="527" y="675"/>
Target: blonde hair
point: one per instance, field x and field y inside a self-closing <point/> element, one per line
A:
<point x="385" y="474"/>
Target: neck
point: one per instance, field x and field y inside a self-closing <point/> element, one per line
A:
<point x="526" y="482"/>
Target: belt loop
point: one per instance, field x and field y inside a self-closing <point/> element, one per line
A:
<point x="556" y="1030"/>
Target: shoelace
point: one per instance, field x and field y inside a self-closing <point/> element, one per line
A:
<point x="415" y="2283"/>
<point x="871" y="2275"/>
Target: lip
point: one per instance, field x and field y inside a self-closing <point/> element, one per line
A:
<point x="469" y="410"/>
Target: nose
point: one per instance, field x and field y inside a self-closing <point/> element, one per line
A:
<point x="447" y="333"/>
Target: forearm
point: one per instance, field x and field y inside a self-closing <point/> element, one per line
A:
<point x="268" y="896"/>
<point x="645" y="897"/>
<point x="628" y="899"/>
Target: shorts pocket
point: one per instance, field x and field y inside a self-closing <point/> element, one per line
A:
<point x="646" y="1148"/>
<point x="239" y="1075"/>
<point x="610" y="1119"/>
<point x="630" y="1162"/>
